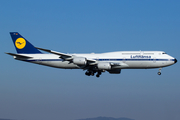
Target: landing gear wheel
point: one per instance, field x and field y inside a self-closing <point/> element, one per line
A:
<point x="97" y="75"/>
<point x="87" y="73"/>
<point x="159" y="73"/>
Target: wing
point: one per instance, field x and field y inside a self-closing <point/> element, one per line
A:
<point x="62" y="55"/>
<point x="68" y="57"/>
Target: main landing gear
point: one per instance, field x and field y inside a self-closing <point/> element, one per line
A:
<point x="88" y="73"/>
<point x="91" y="73"/>
<point x="159" y="73"/>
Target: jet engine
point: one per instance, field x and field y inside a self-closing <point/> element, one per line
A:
<point x="80" y="61"/>
<point x="104" y="66"/>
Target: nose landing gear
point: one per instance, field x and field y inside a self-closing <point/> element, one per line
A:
<point x="159" y="73"/>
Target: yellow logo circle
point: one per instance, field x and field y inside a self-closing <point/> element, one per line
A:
<point x="20" y="43"/>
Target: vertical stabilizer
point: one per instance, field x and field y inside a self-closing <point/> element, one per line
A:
<point x="22" y="45"/>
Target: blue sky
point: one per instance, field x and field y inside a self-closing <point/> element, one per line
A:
<point x="34" y="92"/>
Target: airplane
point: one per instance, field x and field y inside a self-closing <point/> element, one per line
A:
<point x="111" y="62"/>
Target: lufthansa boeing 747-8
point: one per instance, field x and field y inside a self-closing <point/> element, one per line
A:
<point x="111" y="62"/>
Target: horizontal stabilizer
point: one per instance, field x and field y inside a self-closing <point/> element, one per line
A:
<point x="18" y="55"/>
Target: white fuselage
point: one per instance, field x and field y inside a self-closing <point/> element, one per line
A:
<point x="127" y="59"/>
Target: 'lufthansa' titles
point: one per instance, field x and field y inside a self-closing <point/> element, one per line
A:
<point x="140" y="57"/>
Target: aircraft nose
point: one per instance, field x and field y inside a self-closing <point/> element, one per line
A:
<point x="175" y="60"/>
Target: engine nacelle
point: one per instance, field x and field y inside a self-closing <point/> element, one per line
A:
<point x="79" y="61"/>
<point x="104" y="66"/>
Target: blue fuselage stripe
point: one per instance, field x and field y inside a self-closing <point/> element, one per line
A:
<point x="106" y="60"/>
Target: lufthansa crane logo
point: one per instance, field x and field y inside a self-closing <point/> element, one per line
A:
<point x="20" y="43"/>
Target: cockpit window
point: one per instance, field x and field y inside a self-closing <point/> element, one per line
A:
<point x="164" y="53"/>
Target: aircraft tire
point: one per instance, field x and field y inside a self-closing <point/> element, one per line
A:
<point x="159" y="73"/>
<point x="97" y="75"/>
<point x="87" y="73"/>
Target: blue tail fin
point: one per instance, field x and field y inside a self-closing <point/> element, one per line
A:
<point x="22" y="45"/>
